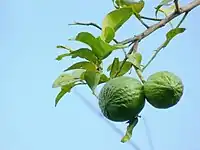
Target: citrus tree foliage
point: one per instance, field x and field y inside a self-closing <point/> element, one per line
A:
<point x="91" y="72"/>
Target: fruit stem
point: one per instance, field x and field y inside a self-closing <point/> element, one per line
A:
<point x="139" y="73"/>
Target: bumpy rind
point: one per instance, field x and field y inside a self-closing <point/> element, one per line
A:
<point x="163" y="89"/>
<point x="121" y="98"/>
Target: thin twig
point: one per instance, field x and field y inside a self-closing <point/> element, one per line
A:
<point x="133" y="49"/>
<point x="90" y="24"/>
<point x="177" y="6"/>
<point x="95" y="111"/>
<point x="162" y="23"/>
<point x="124" y="52"/>
<point x="154" y="55"/>
<point x="86" y="24"/>
<point x="124" y="61"/>
<point x="152" y="19"/>
<point x="182" y="20"/>
<point x="142" y="22"/>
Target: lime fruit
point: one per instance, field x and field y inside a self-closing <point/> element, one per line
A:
<point x="121" y="98"/>
<point x="163" y="89"/>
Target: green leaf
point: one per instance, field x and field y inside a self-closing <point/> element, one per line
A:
<point x="92" y="79"/>
<point x="60" y="57"/>
<point x="135" y="59"/>
<point x="113" y="21"/>
<point x="126" y="67"/>
<point x="108" y="33"/>
<point x="137" y="6"/>
<point x="129" y="130"/>
<point x="82" y="65"/>
<point x="168" y="10"/>
<point x="114" y="68"/>
<point x="86" y="54"/>
<point x="171" y="34"/>
<point x="165" y="2"/>
<point x="103" y="79"/>
<point x="87" y="38"/>
<point x="65" y="89"/>
<point x="100" y="48"/>
<point x="78" y="73"/>
<point x="115" y="4"/>
<point x="64" y="47"/>
<point x="162" y="3"/>
<point x="82" y="53"/>
<point x="64" y="79"/>
<point x="104" y="49"/>
<point x="119" y="3"/>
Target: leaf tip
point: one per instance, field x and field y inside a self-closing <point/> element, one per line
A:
<point x="55" y="104"/>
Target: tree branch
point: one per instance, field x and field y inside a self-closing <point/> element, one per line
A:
<point x="162" y="45"/>
<point x="142" y="22"/>
<point x="136" y="39"/>
<point x="162" y="23"/>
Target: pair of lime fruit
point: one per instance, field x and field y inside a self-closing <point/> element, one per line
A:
<point x="123" y="98"/>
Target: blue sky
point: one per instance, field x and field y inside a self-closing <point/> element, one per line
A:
<point x="30" y="31"/>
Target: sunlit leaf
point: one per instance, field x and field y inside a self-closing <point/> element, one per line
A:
<point x="115" y="4"/>
<point x="64" y="47"/>
<point x="118" y="3"/>
<point x="78" y="73"/>
<point x="129" y="130"/>
<point x="104" y="49"/>
<point x="126" y="67"/>
<point x="86" y="54"/>
<point x="136" y="6"/>
<point x="82" y="65"/>
<point x="65" y="89"/>
<point x="162" y="3"/>
<point x="87" y="38"/>
<point x="114" y="68"/>
<point x="165" y="2"/>
<point x="108" y="33"/>
<point x="92" y="79"/>
<point x="82" y="53"/>
<point x="135" y="59"/>
<point x="113" y="21"/>
<point x="168" y="10"/>
<point x="171" y="34"/>
<point x="100" y="48"/>
<point x="60" y="57"/>
<point x="64" y="79"/>
<point x="103" y="79"/>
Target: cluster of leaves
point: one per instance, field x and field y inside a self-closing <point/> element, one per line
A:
<point x="90" y="70"/>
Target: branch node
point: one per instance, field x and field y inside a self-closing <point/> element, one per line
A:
<point x="177" y="7"/>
